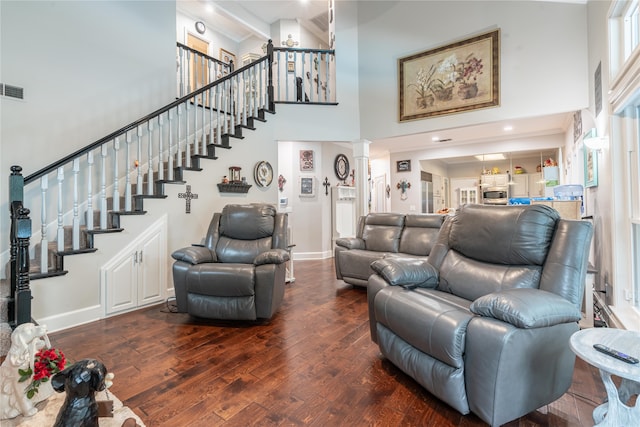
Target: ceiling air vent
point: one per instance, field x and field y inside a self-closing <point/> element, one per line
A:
<point x="14" y="91"/>
<point x="321" y="21"/>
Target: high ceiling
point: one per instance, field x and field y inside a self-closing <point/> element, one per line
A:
<point x="241" y="19"/>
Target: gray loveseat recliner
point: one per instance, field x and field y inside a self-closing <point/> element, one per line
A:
<point x="381" y="235"/>
<point x="484" y="325"/>
<point x="239" y="272"/>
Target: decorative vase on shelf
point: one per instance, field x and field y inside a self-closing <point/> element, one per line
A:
<point x="468" y="90"/>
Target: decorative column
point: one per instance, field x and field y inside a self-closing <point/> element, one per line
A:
<point x="361" y="157"/>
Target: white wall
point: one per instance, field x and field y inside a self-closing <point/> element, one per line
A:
<point x="543" y="57"/>
<point x="87" y="69"/>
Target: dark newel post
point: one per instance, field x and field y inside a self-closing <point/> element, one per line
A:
<point x="19" y="308"/>
<point x="231" y="68"/>
<point x="270" y="91"/>
<point x="16" y="195"/>
<point x="23" y="291"/>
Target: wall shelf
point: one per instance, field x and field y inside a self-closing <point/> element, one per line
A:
<point x="234" y="187"/>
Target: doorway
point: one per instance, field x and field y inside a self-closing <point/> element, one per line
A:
<point x="198" y="71"/>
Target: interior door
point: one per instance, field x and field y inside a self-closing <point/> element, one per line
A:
<point x="198" y="72"/>
<point x="379" y="193"/>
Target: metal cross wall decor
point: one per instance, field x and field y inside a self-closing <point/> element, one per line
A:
<point x="188" y="196"/>
<point x="326" y="184"/>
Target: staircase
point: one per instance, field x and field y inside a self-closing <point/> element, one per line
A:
<point x="113" y="176"/>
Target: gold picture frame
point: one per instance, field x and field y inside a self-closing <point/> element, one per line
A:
<point x="226" y="56"/>
<point x="457" y="77"/>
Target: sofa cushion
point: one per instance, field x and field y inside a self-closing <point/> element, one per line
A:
<point x="407" y="272"/>
<point x="221" y="280"/>
<point x="420" y="233"/>
<point x="247" y="222"/>
<point x="356" y="263"/>
<point x="382" y="232"/>
<point x="503" y="234"/>
<point x="435" y="326"/>
<point x="526" y="308"/>
<point x="471" y="279"/>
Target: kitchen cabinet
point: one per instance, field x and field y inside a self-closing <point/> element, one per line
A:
<point x="568" y="209"/>
<point x="536" y="186"/>
<point x="137" y="275"/>
<point x="519" y="186"/>
<point x="468" y="195"/>
<point x="497" y="180"/>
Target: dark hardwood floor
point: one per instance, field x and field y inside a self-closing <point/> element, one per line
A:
<point x="313" y="364"/>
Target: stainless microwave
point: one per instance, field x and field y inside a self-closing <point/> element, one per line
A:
<point x="495" y="195"/>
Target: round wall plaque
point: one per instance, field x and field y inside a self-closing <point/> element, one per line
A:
<point x="263" y="174"/>
<point x="341" y="167"/>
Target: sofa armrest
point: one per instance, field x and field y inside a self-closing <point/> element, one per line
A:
<point x="196" y="254"/>
<point x="406" y="272"/>
<point x="351" y="243"/>
<point x="274" y="256"/>
<point x="526" y="308"/>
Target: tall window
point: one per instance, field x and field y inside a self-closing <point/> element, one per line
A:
<point x="631" y="28"/>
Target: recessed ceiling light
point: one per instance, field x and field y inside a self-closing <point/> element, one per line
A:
<point x="508" y="128"/>
<point x="435" y="139"/>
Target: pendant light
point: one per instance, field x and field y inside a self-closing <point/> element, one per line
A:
<point x="483" y="183"/>
<point x="511" y="181"/>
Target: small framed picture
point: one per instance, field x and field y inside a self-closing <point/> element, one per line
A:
<point x="307" y="186"/>
<point x="306" y="160"/>
<point x="403" y="166"/>
<point x="291" y="66"/>
<point x="226" y="56"/>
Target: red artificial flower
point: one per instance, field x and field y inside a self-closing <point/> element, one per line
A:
<point x="47" y="362"/>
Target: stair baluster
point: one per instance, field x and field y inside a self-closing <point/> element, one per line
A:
<point x="127" y="175"/>
<point x="44" y="242"/>
<point x="170" y="159"/>
<point x="60" y="228"/>
<point x="89" y="215"/>
<point x="75" y="223"/>
<point x="139" y="186"/>
<point x="160" y="149"/>
<point x="150" y="158"/>
<point x="103" y="187"/>
<point x="116" y="174"/>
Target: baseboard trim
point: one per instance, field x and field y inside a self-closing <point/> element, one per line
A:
<point x="300" y="256"/>
<point x="70" y="319"/>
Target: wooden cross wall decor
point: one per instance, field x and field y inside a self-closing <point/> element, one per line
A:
<point x="326" y="184"/>
<point x="188" y="196"/>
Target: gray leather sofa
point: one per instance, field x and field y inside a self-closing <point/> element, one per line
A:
<point x="239" y="272"/>
<point x="380" y="235"/>
<point x="484" y="325"/>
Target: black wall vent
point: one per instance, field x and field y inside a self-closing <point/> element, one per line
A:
<point x="14" y="91"/>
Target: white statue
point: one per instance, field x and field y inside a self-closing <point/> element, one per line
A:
<point x="26" y="340"/>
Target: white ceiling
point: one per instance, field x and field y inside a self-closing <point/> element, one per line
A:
<point x="241" y="19"/>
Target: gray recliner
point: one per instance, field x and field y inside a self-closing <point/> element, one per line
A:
<point x="239" y="272"/>
<point x="485" y="323"/>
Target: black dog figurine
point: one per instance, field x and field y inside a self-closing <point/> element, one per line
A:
<point x="80" y="381"/>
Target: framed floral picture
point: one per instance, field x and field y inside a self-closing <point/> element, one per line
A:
<point x="460" y="76"/>
<point x="306" y="160"/>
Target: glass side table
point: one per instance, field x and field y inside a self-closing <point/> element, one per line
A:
<point x="614" y="412"/>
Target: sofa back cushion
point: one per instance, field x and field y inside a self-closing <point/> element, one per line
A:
<point x="245" y="231"/>
<point x="382" y="232"/>
<point x="420" y="233"/>
<point x="486" y="249"/>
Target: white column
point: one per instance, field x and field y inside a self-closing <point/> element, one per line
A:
<point x="361" y="157"/>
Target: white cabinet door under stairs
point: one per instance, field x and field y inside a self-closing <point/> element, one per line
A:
<point x="136" y="276"/>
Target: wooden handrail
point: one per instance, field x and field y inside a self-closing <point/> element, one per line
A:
<point x="53" y="166"/>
